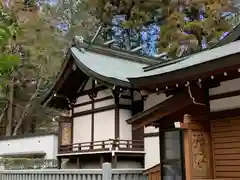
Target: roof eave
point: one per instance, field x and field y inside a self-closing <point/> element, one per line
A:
<point x="202" y="70"/>
<point x="108" y="81"/>
<point x="56" y="83"/>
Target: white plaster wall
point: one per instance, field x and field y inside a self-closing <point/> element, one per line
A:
<point x="125" y="131"/>
<point x="128" y="165"/>
<point x="83" y="108"/>
<point x="104" y="125"/>
<point x="104" y="103"/>
<point x="90" y="165"/>
<point x="151" y="147"/>
<point x="226" y="86"/>
<point x="125" y="101"/>
<point x="225" y="103"/>
<point x="152" y="152"/>
<point x="154" y="99"/>
<point x="151" y="144"/>
<point x="150" y="129"/>
<point x="88" y="85"/>
<point x="137" y="96"/>
<point x="47" y="144"/>
<point x="104" y="93"/>
<point x="82" y="99"/>
<point x="82" y="129"/>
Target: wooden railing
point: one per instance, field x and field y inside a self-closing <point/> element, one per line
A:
<point x="111" y="144"/>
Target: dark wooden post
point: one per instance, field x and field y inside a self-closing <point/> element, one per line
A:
<point x="114" y="161"/>
<point x="59" y="162"/>
<point x="78" y="163"/>
<point x="101" y="160"/>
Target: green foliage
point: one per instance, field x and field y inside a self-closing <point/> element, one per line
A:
<point x="8" y="58"/>
<point x="176" y="33"/>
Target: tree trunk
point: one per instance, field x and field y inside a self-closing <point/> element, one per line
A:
<point x="10" y="109"/>
<point x="26" y="109"/>
<point x="3" y="113"/>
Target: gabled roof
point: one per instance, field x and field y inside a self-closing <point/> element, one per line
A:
<point x="112" y="67"/>
<point x="108" y="66"/>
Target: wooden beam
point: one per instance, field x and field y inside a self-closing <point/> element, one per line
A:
<point x="59" y="163"/>
<point x="92" y="115"/>
<point x="100" y="109"/>
<point x="95" y="100"/>
<point x="192" y="126"/>
<point x="225" y="114"/>
<point x="161" y="110"/>
<point x="225" y="95"/>
<point x="114" y="161"/>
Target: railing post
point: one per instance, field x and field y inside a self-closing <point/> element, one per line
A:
<point x="2" y="165"/>
<point x="106" y="171"/>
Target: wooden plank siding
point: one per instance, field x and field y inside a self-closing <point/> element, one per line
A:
<point x="226" y="147"/>
<point x="153" y="173"/>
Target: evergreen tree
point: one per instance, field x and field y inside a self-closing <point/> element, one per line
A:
<point x="184" y="24"/>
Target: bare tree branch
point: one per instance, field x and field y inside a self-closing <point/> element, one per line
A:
<point x="27" y="107"/>
<point x="3" y="113"/>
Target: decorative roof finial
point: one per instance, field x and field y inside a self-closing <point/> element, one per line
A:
<point x="79" y="39"/>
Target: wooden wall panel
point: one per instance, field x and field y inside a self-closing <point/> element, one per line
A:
<point x="153" y="173"/>
<point x="66" y="133"/>
<point x="226" y="147"/>
<point x="154" y="176"/>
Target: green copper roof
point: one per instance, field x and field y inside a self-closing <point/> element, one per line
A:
<point x="198" y="58"/>
<point x="122" y="69"/>
<point x="107" y="66"/>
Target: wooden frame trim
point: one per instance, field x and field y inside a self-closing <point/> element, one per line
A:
<point x="72" y="124"/>
<point x="99" y="88"/>
<point x="92" y="115"/>
<point x="153" y="134"/>
<point x="59" y="138"/>
<point x="125" y="106"/>
<point x="117" y="118"/>
<point x="96" y="110"/>
<point x="224" y="95"/>
<point x="125" y="97"/>
<point x="96" y="100"/>
<point x="153" y="169"/>
<point x="225" y="114"/>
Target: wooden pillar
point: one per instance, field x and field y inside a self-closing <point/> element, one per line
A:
<point x="78" y="163"/>
<point x="187" y="148"/>
<point x="114" y="161"/>
<point x="101" y="160"/>
<point x="197" y="148"/>
<point x="59" y="162"/>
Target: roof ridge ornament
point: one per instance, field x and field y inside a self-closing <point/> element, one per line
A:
<point x="79" y="39"/>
